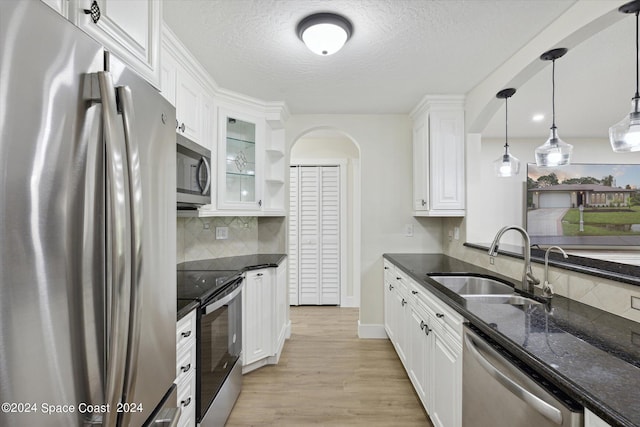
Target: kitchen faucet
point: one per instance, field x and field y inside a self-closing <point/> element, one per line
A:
<point x="528" y="279"/>
<point x="546" y="287"/>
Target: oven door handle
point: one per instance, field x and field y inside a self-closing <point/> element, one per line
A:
<point x="224" y="301"/>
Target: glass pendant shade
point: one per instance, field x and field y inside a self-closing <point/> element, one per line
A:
<point x="554" y="152"/>
<point x="506" y="165"/>
<point x="625" y="135"/>
<point x="324" y="33"/>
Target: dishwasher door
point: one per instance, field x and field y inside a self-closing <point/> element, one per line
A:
<point x="498" y="390"/>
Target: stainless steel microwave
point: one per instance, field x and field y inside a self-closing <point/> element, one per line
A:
<point x="194" y="174"/>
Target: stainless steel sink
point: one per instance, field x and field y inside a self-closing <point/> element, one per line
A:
<point x="502" y="299"/>
<point x="483" y="290"/>
<point x="471" y="285"/>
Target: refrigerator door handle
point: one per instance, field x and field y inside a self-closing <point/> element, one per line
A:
<point x="550" y="412"/>
<point x="136" y="219"/>
<point x="119" y="252"/>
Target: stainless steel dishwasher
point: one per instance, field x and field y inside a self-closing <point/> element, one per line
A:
<point x="499" y="391"/>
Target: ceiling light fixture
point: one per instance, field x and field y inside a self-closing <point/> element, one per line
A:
<point x="506" y="165"/>
<point x="624" y="136"/>
<point x="554" y="152"/>
<point x="324" y="33"/>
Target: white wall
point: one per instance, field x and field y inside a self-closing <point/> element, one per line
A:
<point x="386" y="163"/>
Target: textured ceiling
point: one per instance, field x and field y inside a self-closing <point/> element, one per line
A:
<point x="400" y="51"/>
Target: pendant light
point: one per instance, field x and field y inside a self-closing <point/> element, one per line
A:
<point x="324" y="33"/>
<point x="554" y="152"/>
<point x="506" y="165"/>
<point x="625" y="135"/>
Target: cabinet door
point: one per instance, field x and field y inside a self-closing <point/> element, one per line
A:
<point x="447" y="382"/>
<point x="168" y="77"/>
<point x="446" y="152"/>
<point x="389" y="325"/>
<point x="130" y="29"/>
<point x="257" y="313"/>
<point x="240" y="156"/>
<point x="592" y="420"/>
<point x="189" y="106"/>
<point x="421" y="164"/>
<point x="401" y="316"/>
<point x="421" y="355"/>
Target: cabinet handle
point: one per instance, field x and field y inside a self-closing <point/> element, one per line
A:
<point x="404" y="302"/>
<point x="423" y="202"/>
<point x="439" y="315"/>
<point x="177" y="124"/>
<point x="186" y="334"/>
<point x="390" y="287"/>
<point x="186" y="403"/>
<point x="414" y="292"/>
<point x="94" y="11"/>
<point x="386" y="268"/>
<point x="259" y="274"/>
<point x="260" y="203"/>
<point x="424" y="327"/>
<point x="398" y="278"/>
<point x="182" y="127"/>
<point x="185" y="368"/>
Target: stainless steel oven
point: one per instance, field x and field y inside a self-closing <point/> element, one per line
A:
<point x="219" y="348"/>
<point x="193" y="174"/>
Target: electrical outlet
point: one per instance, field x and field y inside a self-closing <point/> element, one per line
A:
<point x="222" y="233"/>
<point x="206" y="225"/>
<point x="492" y="260"/>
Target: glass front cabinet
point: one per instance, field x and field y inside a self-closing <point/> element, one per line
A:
<point x="240" y="161"/>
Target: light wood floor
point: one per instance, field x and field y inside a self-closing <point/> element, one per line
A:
<point x="329" y="377"/>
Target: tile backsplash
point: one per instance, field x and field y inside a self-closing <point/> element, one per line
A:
<point x="196" y="237"/>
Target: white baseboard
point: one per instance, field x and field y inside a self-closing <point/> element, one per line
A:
<point x="371" y="331"/>
<point x="350" y="302"/>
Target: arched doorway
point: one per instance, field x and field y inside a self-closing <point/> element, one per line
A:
<point x="324" y="230"/>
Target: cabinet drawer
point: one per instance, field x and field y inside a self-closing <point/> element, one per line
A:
<point x="185" y="361"/>
<point x="187" y="400"/>
<point x="446" y="317"/>
<point x="186" y="330"/>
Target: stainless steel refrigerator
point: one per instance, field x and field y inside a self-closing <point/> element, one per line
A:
<point x="87" y="231"/>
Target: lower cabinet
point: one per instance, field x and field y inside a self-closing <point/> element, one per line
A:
<point x="186" y="369"/>
<point x="592" y="420"/>
<point x="265" y="319"/>
<point x="427" y="336"/>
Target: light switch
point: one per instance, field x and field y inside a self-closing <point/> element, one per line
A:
<point x="222" y="233"/>
<point x="408" y="230"/>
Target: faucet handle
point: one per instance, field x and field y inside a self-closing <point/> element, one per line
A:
<point x="531" y="278"/>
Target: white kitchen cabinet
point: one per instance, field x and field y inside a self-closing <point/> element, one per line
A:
<point x="439" y="157"/>
<point x="427" y="336"/>
<point x="182" y="89"/>
<point x="257" y="312"/>
<point x="130" y="29"/>
<point x="592" y="420"/>
<point x="446" y="408"/>
<point x="265" y="319"/>
<point x="186" y="368"/>
<point x="60" y="6"/>
<point x="241" y="138"/>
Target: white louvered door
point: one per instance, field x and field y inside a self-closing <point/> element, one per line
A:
<point x="315" y="235"/>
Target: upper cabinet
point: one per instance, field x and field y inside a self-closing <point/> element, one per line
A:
<point x="240" y="164"/>
<point x="438" y="156"/>
<point x="130" y="29"/>
<point x="245" y="135"/>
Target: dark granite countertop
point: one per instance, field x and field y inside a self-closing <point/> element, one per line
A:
<point x="186" y="306"/>
<point x="239" y="264"/>
<point x="592" y="355"/>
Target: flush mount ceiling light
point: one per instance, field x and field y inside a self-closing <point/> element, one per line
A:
<point x="625" y="135"/>
<point x="324" y="33"/>
<point x="554" y="152"/>
<point x="506" y="165"/>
